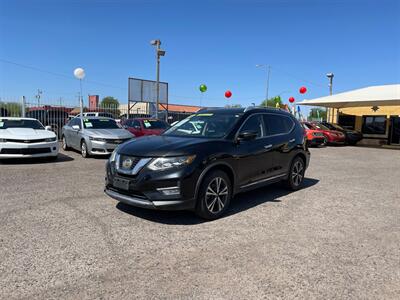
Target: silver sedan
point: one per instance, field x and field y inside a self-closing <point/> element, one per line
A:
<point x="93" y="136"/>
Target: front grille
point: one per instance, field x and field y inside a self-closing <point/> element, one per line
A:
<point x="26" y="141"/>
<point x="115" y="141"/>
<point x="27" y="151"/>
<point x="318" y="134"/>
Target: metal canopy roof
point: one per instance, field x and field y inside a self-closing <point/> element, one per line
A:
<point x="380" y="95"/>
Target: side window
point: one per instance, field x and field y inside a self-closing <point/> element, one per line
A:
<point x="254" y="123"/>
<point x="136" y="123"/>
<point x="276" y="124"/>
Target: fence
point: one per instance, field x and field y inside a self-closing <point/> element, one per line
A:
<point x="56" y="115"/>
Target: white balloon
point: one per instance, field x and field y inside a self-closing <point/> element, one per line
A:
<point x="79" y="73"/>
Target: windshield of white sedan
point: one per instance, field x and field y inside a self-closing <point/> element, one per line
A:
<point x="8" y="123"/>
<point x="100" y="124"/>
<point x="204" y="125"/>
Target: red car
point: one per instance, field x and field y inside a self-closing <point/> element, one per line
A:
<point x="332" y="136"/>
<point x="145" y="126"/>
<point x="315" y="137"/>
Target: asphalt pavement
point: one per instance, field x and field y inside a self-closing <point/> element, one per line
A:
<point x="337" y="238"/>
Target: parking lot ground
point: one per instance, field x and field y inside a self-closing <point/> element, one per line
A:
<point x="338" y="238"/>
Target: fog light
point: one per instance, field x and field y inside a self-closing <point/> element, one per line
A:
<point x="169" y="191"/>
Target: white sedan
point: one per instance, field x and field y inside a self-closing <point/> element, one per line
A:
<point x="26" y="137"/>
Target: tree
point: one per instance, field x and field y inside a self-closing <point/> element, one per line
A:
<point x="317" y="114"/>
<point x="109" y="102"/>
<point x="271" y="102"/>
<point x="111" y="105"/>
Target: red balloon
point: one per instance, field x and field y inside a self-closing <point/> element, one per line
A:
<point x="228" y="94"/>
<point x="303" y="90"/>
<point x="291" y="99"/>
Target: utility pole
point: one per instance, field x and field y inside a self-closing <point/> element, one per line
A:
<point x="159" y="53"/>
<point x="328" y="111"/>
<point x="268" y="69"/>
<point x="38" y="95"/>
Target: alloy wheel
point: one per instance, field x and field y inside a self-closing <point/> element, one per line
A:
<point x="297" y="172"/>
<point x="216" y="195"/>
<point x="84" y="149"/>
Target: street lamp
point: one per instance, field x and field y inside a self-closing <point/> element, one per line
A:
<point x="159" y="52"/>
<point x="79" y="73"/>
<point x="268" y="69"/>
<point x="328" y="111"/>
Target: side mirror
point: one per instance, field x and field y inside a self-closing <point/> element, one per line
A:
<point x="247" y="136"/>
<point x="75" y="127"/>
<point x="48" y="128"/>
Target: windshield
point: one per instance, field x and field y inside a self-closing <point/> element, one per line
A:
<point x="208" y="125"/>
<point x="154" y="124"/>
<point x="100" y="124"/>
<point x="20" y="123"/>
<point x="320" y="126"/>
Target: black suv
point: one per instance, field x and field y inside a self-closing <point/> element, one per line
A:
<point x="203" y="161"/>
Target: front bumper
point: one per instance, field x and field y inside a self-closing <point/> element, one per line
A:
<point x="101" y="148"/>
<point x="316" y="141"/>
<point x="21" y="150"/>
<point x="146" y="189"/>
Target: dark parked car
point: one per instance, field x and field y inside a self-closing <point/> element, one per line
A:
<point x="202" y="166"/>
<point x="352" y="137"/>
<point x="53" y="117"/>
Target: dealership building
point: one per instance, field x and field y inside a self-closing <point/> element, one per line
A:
<point x="375" y="111"/>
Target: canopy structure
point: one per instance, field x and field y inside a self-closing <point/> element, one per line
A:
<point x="380" y="95"/>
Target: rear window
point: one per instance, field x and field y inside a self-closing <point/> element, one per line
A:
<point x="277" y="124"/>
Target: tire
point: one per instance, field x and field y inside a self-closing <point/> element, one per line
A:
<point x="296" y="174"/>
<point x="64" y="144"/>
<point x="214" y="195"/>
<point x="84" y="150"/>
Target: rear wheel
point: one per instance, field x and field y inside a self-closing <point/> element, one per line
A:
<point x="84" y="150"/>
<point x="296" y="174"/>
<point x="214" y="195"/>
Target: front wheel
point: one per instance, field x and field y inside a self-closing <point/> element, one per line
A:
<point x="214" y="195"/>
<point x="64" y="144"/>
<point x="84" y="150"/>
<point x="296" y="174"/>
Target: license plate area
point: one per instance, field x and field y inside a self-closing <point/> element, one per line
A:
<point x="121" y="183"/>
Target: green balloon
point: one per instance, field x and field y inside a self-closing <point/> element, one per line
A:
<point x="203" y="88"/>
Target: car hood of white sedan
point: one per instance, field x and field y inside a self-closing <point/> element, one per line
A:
<point x="25" y="134"/>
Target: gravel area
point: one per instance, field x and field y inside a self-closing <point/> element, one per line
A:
<point x="338" y="238"/>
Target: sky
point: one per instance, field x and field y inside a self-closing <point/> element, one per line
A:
<point x="217" y="43"/>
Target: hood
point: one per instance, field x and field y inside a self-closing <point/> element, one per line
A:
<point x="109" y="133"/>
<point x="26" y="134"/>
<point x="162" y="145"/>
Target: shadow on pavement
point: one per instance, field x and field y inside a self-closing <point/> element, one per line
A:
<point x="37" y="160"/>
<point x="240" y="203"/>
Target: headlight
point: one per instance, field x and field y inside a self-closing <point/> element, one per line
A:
<point x="114" y="155"/>
<point x="96" y="139"/>
<point x="53" y="139"/>
<point x="164" y="163"/>
<point x="3" y="141"/>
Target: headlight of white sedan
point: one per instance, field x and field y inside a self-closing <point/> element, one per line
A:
<point x="53" y="139"/>
<point x="164" y="163"/>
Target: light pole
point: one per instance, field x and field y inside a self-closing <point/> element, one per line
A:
<point x="159" y="53"/>
<point x="328" y="111"/>
<point x="79" y="73"/>
<point x="38" y="95"/>
<point x="268" y="69"/>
